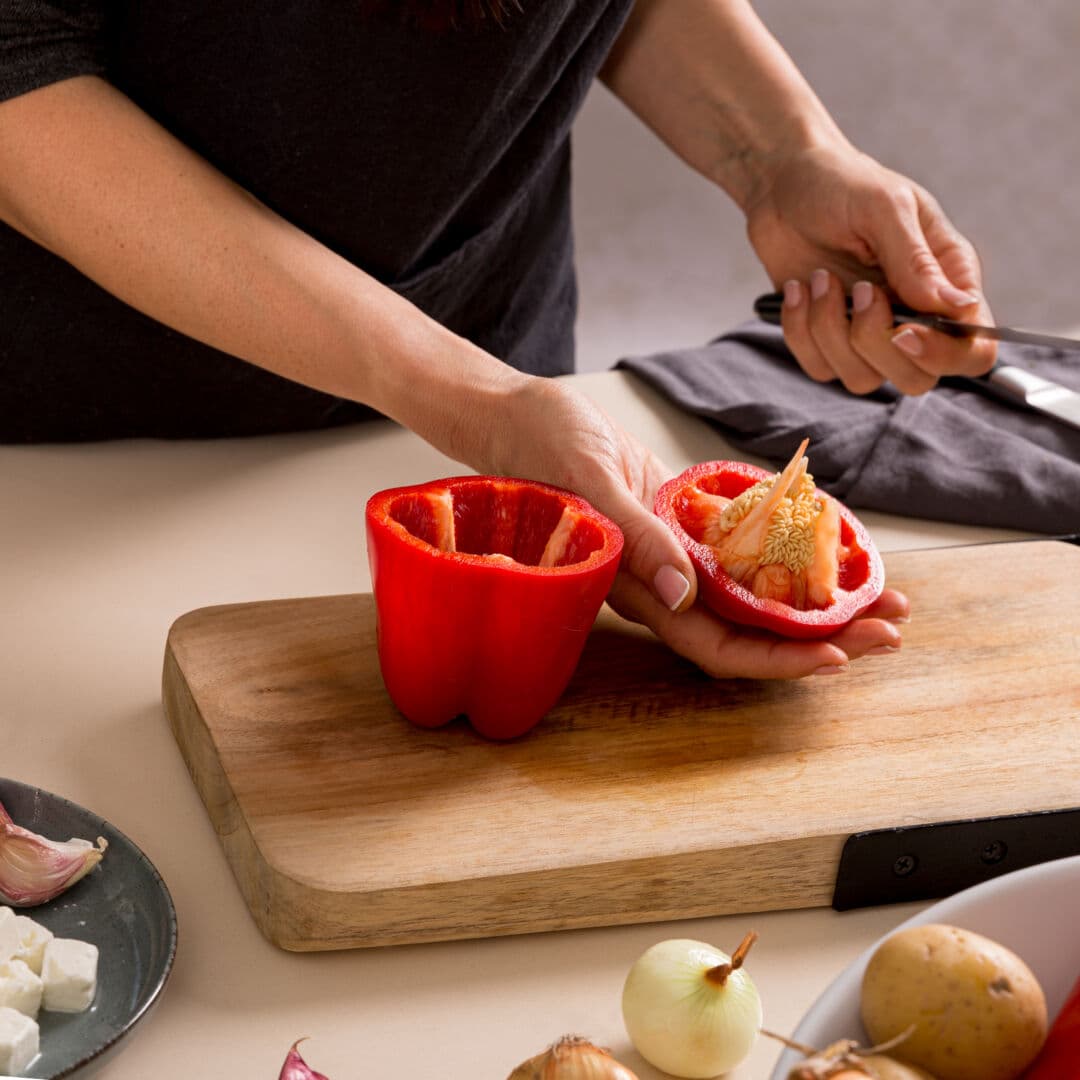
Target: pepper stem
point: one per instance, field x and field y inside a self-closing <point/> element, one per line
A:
<point x="719" y="975"/>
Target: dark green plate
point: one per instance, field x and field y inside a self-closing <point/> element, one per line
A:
<point x="124" y="908"/>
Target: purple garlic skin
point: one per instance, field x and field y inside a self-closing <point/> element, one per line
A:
<point x="34" y="869"/>
<point x="295" y="1068"/>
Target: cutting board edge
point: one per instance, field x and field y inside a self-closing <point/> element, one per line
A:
<point x="299" y="918"/>
<point x="182" y="625"/>
<point x="211" y="782"/>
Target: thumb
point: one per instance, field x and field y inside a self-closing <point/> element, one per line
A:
<point x="911" y="268"/>
<point x="653" y="555"/>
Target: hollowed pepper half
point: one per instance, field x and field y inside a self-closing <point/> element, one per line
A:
<point x="771" y="549"/>
<point x="485" y="591"/>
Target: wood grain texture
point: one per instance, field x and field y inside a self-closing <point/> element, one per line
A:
<point x="649" y="793"/>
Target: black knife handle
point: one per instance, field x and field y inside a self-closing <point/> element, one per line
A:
<point x="768" y="307"/>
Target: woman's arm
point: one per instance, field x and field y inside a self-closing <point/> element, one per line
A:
<point x="714" y="84"/>
<point x="89" y="176"/>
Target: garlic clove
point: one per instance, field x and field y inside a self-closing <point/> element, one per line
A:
<point x="572" y="1058"/>
<point x="296" y="1068"/>
<point x="34" y="869"/>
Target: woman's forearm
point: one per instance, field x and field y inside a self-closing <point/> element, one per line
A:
<point x="88" y="175"/>
<point x="715" y="85"/>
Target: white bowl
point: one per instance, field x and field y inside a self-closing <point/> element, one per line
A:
<point x="1035" y="912"/>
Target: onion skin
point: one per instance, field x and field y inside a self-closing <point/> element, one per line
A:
<point x="887" y="1068"/>
<point x="572" y="1058"/>
<point x="883" y="1069"/>
<point x="846" y="1060"/>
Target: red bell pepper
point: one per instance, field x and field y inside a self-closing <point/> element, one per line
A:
<point x="1059" y="1059"/>
<point x="788" y="557"/>
<point x="485" y="590"/>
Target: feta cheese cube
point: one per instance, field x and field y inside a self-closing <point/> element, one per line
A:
<point x="20" y="988"/>
<point x="19" y="1039"/>
<point x="9" y="933"/>
<point x="69" y="972"/>
<point x="33" y="937"/>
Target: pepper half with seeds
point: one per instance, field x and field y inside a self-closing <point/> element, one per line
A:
<point x="772" y="549"/>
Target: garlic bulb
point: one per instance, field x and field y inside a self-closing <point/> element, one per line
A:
<point x="572" y="1058"/>
<point x="34" y="869"/>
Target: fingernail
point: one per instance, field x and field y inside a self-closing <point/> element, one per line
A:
<point x="909" y="342"/>
<point x="831" y="669"/>
<point x="862" y="295"/>
<point x="899" y="619"/>
<point x="792" y="294"/>
<point x="671" y="586"/>
<point x="957" y="297"/>
<point x="819" y="283"/>
<point x="882" y="650"/>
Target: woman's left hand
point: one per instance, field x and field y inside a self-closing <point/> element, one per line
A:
<point x="551" y="432"/>
<point x="830" y="220"/>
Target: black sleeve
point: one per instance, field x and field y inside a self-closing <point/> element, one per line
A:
<point x="45" y="41"/>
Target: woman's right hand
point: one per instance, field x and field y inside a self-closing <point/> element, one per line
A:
<point x="551" y="432"/>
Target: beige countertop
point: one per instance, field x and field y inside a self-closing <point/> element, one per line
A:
<point x="103" y="546"/>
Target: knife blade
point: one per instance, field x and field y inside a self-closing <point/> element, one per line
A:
<point x="1006" y="382"/>
<point x="1019" y="386"/>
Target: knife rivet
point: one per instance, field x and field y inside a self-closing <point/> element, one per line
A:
<point x="904" y="865"/>
<point x="994" y="852"/>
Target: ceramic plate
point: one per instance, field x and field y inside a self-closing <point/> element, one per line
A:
<point x="1031" y="911"/>
<point x="124" y="908"/>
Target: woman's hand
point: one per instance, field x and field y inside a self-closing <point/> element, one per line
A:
<point x="716" y="86"/>
<point x="830" y="219"/>
<point x="562" y="438"/>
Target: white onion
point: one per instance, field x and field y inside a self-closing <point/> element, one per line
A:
<point x="685" y="1014"/>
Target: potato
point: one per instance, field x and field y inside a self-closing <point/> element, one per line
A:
<point x="977" y="1009"/>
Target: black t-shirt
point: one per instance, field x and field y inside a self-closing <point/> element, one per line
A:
<point x="437" y="161"/>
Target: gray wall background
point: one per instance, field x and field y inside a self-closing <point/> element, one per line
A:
<point x="978" y="100"/>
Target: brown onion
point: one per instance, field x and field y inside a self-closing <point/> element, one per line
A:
<point x="572" y="1058"/>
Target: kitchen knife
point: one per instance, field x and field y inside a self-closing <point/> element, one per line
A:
<point x="1008" y="383"/>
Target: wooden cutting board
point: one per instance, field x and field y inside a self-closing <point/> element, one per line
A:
<point x="649" y="793"/>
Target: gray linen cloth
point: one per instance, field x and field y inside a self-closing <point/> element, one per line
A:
<point x="953" y="454"/>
